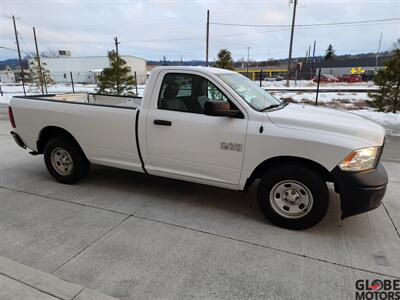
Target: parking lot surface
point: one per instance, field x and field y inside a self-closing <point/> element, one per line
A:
<point x="134" y="236"/>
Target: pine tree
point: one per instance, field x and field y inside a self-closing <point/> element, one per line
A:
<point x="329" y="53"/>
<point x="34" y="75"/>
<point x="224" y="60"/>
<point x="388" y="79"/>
<point x="378" y="99"/>
<point x="116" y="80"/>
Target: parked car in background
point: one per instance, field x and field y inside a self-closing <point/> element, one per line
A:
<point x="350" y="78"/>
<point x="274" y="78"/>
<point x="326" y="78"/>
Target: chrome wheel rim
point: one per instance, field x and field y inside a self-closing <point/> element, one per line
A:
<point x="291" y="199"/>
<point x="61" y="161"/>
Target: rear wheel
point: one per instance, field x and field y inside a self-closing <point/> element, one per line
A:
<point x="65" y="161"/>
<point x="292" y="196"/>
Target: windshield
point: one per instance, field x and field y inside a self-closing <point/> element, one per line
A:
<point x="253" y="94"/>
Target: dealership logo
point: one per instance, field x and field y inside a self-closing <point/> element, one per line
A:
<point x="378" y="289"/>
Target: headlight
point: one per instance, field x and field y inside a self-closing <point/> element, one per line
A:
<point x="360" y="160"/>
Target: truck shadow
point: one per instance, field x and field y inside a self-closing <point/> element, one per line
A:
<point x="158" y="198"/>
<point x="168" y="197"/>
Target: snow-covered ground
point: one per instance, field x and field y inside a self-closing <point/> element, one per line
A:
<point x="389" y="120"/>
<point x="335" y="99"/>
<point x="11" y="90"/>
<point x="354" y="102"/>
<point x="339" y="99"/>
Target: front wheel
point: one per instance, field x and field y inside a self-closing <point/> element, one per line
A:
<point x="292" y="196"/>
<point x="65" y="161"/>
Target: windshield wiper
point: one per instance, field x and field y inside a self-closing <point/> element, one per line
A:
<point x="283" y="103"/>
<point x="271" y="106"/>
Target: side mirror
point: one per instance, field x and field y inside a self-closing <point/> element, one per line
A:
<point x="221" y="109"/>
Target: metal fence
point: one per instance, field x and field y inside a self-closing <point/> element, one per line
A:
<point x="62" y="82"/>
<point x="270" y="76"/>
<point x="89" y="77"/>
<point x="274" y="82"/>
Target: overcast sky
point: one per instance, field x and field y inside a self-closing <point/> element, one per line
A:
<point x="152" y="29"/>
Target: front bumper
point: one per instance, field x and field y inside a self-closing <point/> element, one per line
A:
<point x="360" y="191"/>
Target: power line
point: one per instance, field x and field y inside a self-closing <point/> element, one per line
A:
<point x="215" y="36"/>
<point x="307" y="25"/>
<point x="11" y="49"/>
<point x="24" y="43"/>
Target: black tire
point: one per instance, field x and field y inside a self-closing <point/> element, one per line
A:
<point x="80" y="164"/>
<point x="275" y="178"/>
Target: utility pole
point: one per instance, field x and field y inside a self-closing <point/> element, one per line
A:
<point x="313" y="59"/>
<point x="116" y="44"/>
<point x="377" y="53"/>
<point x="308" y="53"/>
<point x="38" y="58"/>
<point x="136" y="84"/>
<point x="19" y="56"/>
<point x="72" y="82"/>
<point x="207" y="35"/>
<point x="291" y="42"/>
<point x="248" y="57"/>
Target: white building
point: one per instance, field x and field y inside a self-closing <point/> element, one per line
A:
<point x="7" y="75"/>
<point x="86" y="69"/>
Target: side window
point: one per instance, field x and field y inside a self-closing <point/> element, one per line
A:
<point x="188" y="93"/>
<point x="213" y="93"/>
<point x="175" y="89"/>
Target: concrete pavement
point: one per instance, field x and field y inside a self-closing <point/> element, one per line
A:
<point x="21" y="282"/>
<point x="133" y="236"/>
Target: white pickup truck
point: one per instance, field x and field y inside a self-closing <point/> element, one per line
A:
<point x="215" y="127"/>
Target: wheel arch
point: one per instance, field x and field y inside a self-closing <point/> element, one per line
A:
<point x="269" y="163"/>
<point x="51" y="132"/>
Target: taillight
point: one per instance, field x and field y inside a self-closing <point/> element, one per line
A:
<point x="11" y="117"/>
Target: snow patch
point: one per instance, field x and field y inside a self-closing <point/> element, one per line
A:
<point x="387" y="119"/>
<point x="11" y="90"/>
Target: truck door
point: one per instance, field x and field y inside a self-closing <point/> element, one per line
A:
<point x="183" y="141"/>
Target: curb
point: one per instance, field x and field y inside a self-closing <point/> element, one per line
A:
<point x="46" y="283"/>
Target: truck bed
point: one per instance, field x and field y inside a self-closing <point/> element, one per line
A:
<point x="103" y="125"/>
<point x="91" y="98"/>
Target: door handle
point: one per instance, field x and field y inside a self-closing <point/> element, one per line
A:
<point x="162" y="122"/>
